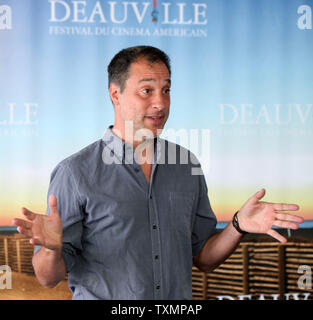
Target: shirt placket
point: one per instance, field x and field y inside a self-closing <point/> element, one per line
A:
<point x="154" y="227"/>
<point x="155" y="240"/>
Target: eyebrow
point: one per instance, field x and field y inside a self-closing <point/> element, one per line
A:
<point x="151" y="79"/>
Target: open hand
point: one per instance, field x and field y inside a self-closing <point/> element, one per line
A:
<point x="256" y="216"/>
<point x="42" y="230"/>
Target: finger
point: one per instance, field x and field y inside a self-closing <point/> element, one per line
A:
<point x="53" y="205"/>
<point x="28" y="214"/>
<point x="35" y="242"/>
<point x="285" y="224"/>
<point x="276" y="235"/>
<point x="22" y="223"/>
<point x="257" y="197"/>
<point x="285" y="207"/>
<point x="26" y="232"/>
<point x="289" y="217"/>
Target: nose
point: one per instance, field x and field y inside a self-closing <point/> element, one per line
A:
<point x="160" y="101"/>
<point x="158" y="107"/>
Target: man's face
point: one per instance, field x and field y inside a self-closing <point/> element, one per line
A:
<point x="146" y="98"/>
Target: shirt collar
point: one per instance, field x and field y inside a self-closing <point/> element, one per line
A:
<point x="115" y="147"/>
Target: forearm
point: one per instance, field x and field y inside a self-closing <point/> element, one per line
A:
<point x="218" y="248"/>
<point x="49" y="267"/>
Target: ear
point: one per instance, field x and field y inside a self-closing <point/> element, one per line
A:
<point x="114" y="91"/>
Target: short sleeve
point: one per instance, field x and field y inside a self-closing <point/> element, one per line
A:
<point x="70" y="206"/>
<point x="205" y="220"/>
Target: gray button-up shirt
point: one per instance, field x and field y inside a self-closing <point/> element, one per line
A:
<point x="124" y="238"/>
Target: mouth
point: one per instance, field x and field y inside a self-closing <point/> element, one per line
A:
<point x="155" y="119"/>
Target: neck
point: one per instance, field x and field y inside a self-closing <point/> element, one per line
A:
<point x="130" y="137"/>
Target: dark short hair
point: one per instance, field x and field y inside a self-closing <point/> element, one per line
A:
<point x="118" y="69"/>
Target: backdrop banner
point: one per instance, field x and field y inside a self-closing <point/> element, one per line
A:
<point x="241" y="96"/>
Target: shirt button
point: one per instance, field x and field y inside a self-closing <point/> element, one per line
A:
<point x="156" y="257"/>
<point x="157" y="287"/>
<point x="150" y="197"/>
<point x="137" y="169"/>
<point x="154" y="226"/>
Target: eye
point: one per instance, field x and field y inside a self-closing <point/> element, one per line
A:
<point x="167" y="91"/>
<point x="146" y="91"/>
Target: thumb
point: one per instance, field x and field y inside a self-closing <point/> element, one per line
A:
<point x="257" y="197"/>
<point x="53" y="205"/>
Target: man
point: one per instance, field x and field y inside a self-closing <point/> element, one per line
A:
<point x="124" y="220"/>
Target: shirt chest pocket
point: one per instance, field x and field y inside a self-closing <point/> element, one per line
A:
<point x="181" y="204"/>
